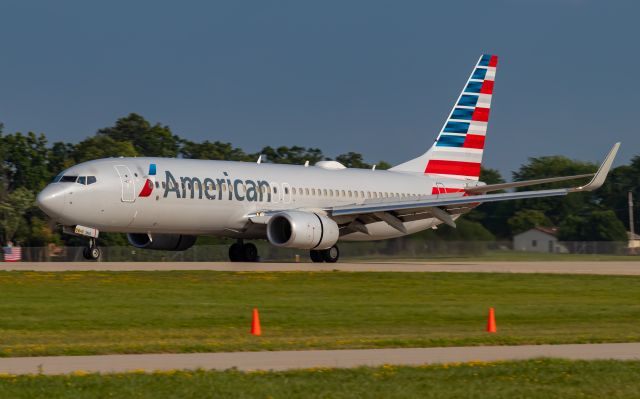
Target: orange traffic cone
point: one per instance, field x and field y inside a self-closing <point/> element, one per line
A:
<point x="255" y="324"/>
<point x="491" y="323"/>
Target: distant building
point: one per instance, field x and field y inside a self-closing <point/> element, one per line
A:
<point x="634" y="241"/>
<point x="539" y="239"/>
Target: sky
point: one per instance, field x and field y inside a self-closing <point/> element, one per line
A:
<point x="375" y="77"/>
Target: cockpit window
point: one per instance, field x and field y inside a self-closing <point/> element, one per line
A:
<point x="91" y="179"/>
<point x="68" y="179"/>
<point x="57" y="178"/>
<point x="82" y="180"/>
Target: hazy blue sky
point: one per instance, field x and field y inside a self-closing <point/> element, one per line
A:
<point x="377" y="77"/>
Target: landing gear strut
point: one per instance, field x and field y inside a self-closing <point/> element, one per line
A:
<point x="92" y="252"/>
<point x="241" y="252"/>
<point x="330" y="255"/>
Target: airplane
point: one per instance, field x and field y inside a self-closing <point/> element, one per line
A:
<point x="165" y="203"/>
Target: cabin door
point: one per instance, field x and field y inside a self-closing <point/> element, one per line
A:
<point x="127" y="183"/>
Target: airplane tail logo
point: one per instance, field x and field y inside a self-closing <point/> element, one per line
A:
<point x="147" y="189"/>
<point x="457" y="152"/>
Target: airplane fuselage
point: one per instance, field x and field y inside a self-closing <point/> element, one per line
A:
<point x="203" y="197"/>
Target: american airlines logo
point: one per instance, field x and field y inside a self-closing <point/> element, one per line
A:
<point x="219" y="188"/>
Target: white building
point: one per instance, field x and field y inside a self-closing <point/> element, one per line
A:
<point x="539" y="239"/>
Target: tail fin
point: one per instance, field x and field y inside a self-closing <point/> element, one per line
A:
<point x="457" y="152"/>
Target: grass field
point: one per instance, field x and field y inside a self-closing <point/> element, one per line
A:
<point x="525" y="379"/>
<point x="199" y="311"/>
<point x="502" y="256"/>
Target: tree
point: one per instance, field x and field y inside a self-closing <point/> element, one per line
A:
<point x="61" y="156"/>
<point x="292" y="155"/>
<point x="526" y="219"/>
<point x="12" y="211"/>
<point x="216" y="150"/>
<point x="25" y="161"/>
<point x="97" y="147"/>
<point x="493" y="215"/>
<point x="353" y="160"/>
<point x="615" y="189"/>
<point x="148" y="140"/>
<point x="490" y="176"/>
<point x="556" y="209"/>
<point x="596" y="226"/>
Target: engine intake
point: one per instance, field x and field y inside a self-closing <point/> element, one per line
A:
<point x="303" y="230"/>
<point x="166" y="242"/>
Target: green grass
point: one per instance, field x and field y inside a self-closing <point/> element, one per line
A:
<point x="77" y="313"/>
<point x="500" y="256"/>
<point x="524" y="379"/>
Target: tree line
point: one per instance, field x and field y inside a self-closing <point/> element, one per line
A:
<point x="29" y="162"/>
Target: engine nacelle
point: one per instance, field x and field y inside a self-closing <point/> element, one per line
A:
<point x="166" y="242"/>
<point x="304" y="230"/>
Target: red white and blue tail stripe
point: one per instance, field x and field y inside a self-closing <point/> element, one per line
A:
<point x="457" y="152"/>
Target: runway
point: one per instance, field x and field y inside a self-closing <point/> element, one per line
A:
<point x="608" y="268"/>
<point x="284" y="360"/>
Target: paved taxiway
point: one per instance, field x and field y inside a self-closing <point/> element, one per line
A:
<point x="284" y="360"/>
<point x="611" y="268"/>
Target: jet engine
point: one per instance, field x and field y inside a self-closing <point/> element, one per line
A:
<point x="166" y="242"/>
<point x="304" y="230"/>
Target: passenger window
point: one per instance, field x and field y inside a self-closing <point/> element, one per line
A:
<point x="157" y="183"/>
<point x="91" y="179"/>
<point x="343" y="193"/>
<point x="324" y="191"/>
<point x="164" y="185"/>
<point x="286" y="190"/>
<point x="293" y="190"/>
<point x="82" y="180"/>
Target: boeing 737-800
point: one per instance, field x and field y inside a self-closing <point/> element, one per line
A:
<point x="166" y="203"/>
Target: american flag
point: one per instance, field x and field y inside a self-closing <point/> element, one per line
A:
<point x="12" y="254"/>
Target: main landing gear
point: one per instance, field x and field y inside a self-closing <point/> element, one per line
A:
<point x="330" y="255"/>
<point x="241" y="252"/>
<point x="92" y="252"/>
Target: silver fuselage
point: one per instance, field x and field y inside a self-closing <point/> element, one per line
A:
<point x="203" y="197"/>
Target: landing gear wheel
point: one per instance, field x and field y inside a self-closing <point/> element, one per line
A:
<point x="91" y="253"/>
<point x="249" y="253"/>
<point x="316" y="256"/>
<point x="331" y="255"/>
<point x="235" y="252"/>
<point x="94" y="253"/>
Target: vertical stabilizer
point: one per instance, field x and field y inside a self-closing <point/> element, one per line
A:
<point x="457" y="152"/>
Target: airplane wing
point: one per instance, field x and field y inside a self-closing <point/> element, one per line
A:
<point x="355" y="217"/>
<point x="442" y="207"/>
<point x="501" y="186"/>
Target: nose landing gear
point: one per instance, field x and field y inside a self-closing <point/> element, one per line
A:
<point x="241" y="252"/>
<point x="92" y="252"/>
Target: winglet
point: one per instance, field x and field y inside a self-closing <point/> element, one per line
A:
<point x="602" y="172"/>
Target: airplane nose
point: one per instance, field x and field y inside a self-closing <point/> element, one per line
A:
<point x="51" y="200"/>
